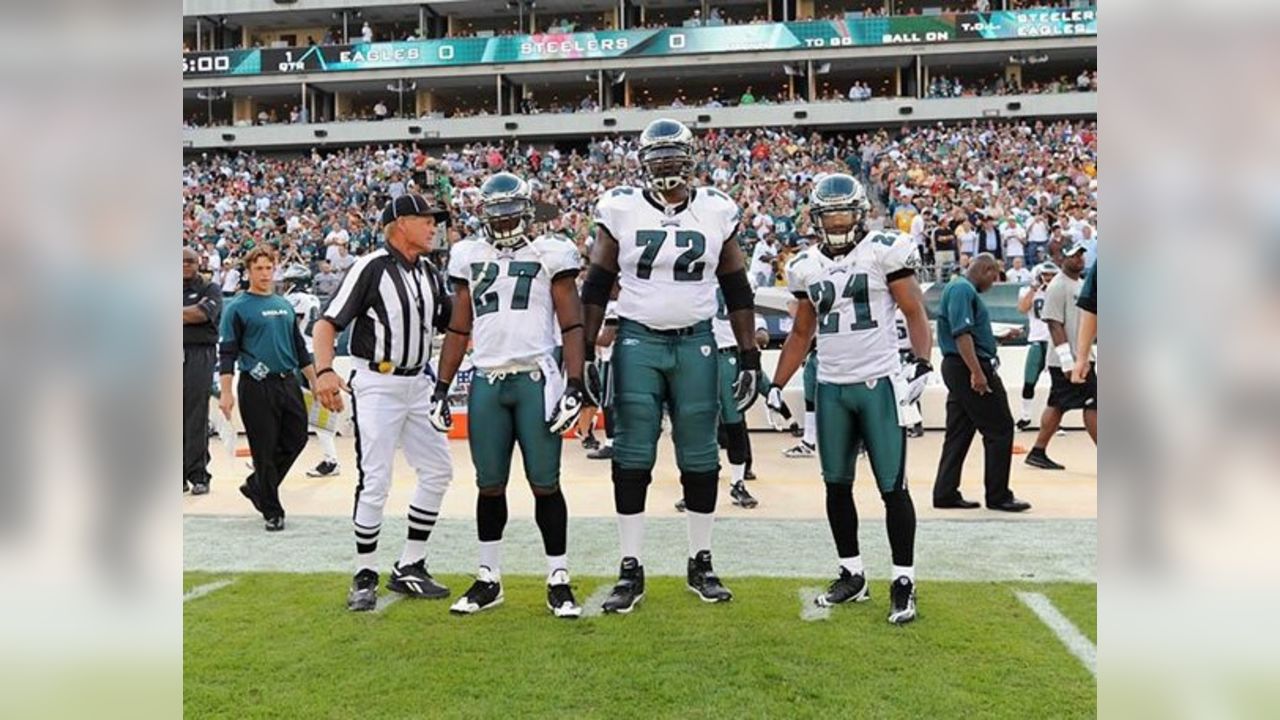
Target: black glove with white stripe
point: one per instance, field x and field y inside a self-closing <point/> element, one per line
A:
<point x="744" y="386"/>
<point x="917" y="372"/>
<point x="570" y="406"/>
<point x="441" y="418"/>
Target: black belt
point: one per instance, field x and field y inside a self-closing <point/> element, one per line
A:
<point x="386" y="368"/>
<point x="733" y="349"/>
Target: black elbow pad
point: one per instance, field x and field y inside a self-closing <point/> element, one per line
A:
<point x="598" y="286"/>
<point x="738" y="294"/>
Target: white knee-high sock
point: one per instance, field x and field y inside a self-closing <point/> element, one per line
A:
<point x="811" y="428"/>
<point x="699" y="531"/>
<point x="327" y="445"/>
<point x="631" y="534"/>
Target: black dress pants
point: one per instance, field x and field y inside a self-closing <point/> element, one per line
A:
<point x="967" y="413"/>
<point x="275" y="420"/>
<point x="197" y="379"/>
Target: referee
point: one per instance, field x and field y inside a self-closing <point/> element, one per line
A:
<point x="396" y="300"/>
<point x="976" y="400"/>
<point x="260" y="336"/>
<point x="201" y="308"/>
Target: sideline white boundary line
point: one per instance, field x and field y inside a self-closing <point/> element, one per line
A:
<point x="386" y="600"/>
<point x="1075" y="641"/>
<point x="200" y="591"/>
<point x="810" y="611"/>
<point x="593" y="606"/>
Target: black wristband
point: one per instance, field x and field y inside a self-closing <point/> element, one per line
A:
<point x="326" y="370"/>
<point x="749" y="359"/>
<point x="442" y="389"/>
<point x="576" y="384"/>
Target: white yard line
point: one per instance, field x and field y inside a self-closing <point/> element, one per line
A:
<point x="1075" y="641"/>
<point x="386" y="600"/>
<point x="810" y="611"/>
<point x="200" y="591"/>
<point x="593" y="605"/>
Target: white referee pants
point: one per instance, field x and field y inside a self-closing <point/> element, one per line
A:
<point x="390" y="410"/>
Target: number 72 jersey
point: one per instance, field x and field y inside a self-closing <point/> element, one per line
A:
<point x="668" y="262"/>
<point x="857" y="337"/>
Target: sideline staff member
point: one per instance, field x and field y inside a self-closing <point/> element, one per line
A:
<point x="397" y="301"/>
<point x="260" y="336"/>
<point x="976" y="400"/>
<point x="201" y="308"/>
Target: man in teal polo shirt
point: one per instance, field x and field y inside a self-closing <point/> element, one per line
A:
<point x="976" y="400"/>
<point x="260" y="337"/>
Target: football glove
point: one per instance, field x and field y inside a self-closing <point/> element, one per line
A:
<point x="593" y="375"/>
<point x="570" y="406"/>
<point x="773" y="400"/>
<point x="744" y="386"/>
<point x="440" y="417"/>
<point x="918" y="370"/>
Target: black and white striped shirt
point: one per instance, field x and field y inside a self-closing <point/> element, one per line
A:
<point x="397" y="306"/>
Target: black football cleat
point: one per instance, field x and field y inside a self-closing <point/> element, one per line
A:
<point x="680" y="506"/>
<point x="846" y="588"/>
<point x="484" y="593"/>
<point x="414" y="581"/>
<point x="275" y="524"/>
<point x="902" y="601"/>
<point x="560" y="600"/>
<point x="200" y="488"/>
<point x="743" y="499"/>
<point x="1023" y="425"/>
<point x="363" y="596"/>
<point x="703" y="582"/>
<point x="325" y="468"/>
<point x="629" y="590"/>
<point x="604" y="452"/>
<point x="1038" y="459"/>
<point x="590" y="442"/>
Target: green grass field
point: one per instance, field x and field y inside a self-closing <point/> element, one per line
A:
<point x="284" y="646"/>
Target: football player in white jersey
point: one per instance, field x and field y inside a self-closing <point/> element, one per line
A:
<point x="514" y="294"/>
<point x="1031" y="302"/>
<point x="849" y="289"/>
<point x="732" y="434"/>
<point x="307" y="309"/>
<point x="670" y="246"/>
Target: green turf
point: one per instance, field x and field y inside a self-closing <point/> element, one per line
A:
<point x="1079" y="603"/>
<point x="276" y="645"/>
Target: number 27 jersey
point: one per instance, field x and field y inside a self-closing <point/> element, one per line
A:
<point x="668" y="262"/>
<point x="857" y="337"/>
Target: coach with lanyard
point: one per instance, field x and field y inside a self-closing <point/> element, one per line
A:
<point x="396" y="300"/>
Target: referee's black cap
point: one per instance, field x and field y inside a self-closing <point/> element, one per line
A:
<point x="410" y="204"/>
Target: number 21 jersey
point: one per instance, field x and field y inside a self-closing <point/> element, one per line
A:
<point x="857" y="337"/>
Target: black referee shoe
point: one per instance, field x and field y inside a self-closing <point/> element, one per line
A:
<point x="414" y="580"/>
<point x="363" y="596"/>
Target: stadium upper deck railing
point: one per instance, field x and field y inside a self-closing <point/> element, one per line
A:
<point x="547" y="48"/>
<point x="875" y="113"/>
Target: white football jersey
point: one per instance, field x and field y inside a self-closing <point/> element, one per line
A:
<point x="668" y="262"/>
<point x="857" y="336"/>
<point x="1037" y="330"/>
<point x="900" y="327"/>
<point x="514" y="315"/>
<point x="306" y="308"/>
<point x="610" y="317"/>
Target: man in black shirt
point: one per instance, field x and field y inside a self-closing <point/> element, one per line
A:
<point x="201" y="308"/>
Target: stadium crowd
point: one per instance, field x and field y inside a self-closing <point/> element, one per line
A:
<point x="1026" y="186"/>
